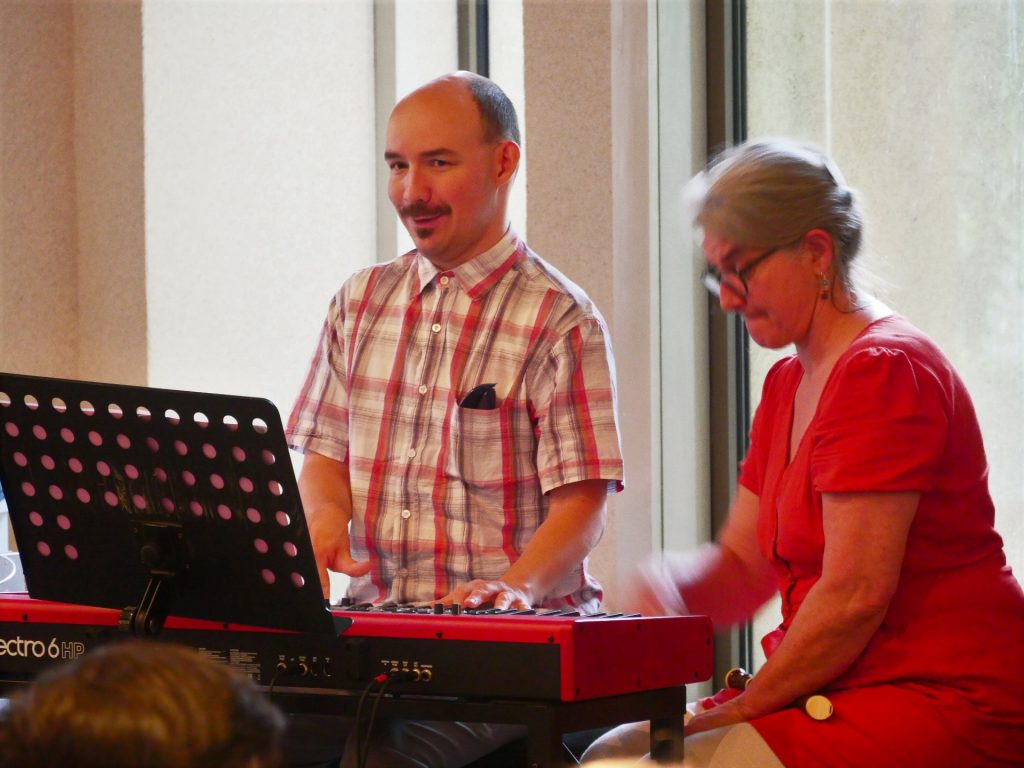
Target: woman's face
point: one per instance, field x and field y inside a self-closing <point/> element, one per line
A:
<point x="775" y="289"/>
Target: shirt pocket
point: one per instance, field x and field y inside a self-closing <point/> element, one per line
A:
<point x="492" y="451"/>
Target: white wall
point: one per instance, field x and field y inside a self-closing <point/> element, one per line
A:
<point x="260" y="162"/>
<point x="417" y="40"/>
<point x="264" y="147"/>
<point x="681" y="395"/>
<point x="505" y="29"/>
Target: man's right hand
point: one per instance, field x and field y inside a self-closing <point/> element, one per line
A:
<point x="327" y="501"/>
<point x="329" y="534"/>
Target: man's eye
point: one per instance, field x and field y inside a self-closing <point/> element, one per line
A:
<point x="438" y="163"/>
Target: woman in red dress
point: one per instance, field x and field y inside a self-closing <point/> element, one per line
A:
<point x="863" y="501"/>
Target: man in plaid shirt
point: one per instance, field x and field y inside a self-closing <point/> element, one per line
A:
<point x="459" y="418"/>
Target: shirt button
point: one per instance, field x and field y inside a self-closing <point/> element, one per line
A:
<point x="423" y="389"/>
<point x="406" y="514"/>
<point x="402" y="573"/>
<point x="444" y="280"/>
<point x="435" y="327"/>
<point x="412" y="453"/>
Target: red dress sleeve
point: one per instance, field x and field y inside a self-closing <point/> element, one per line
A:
<point x="882" y="424"/>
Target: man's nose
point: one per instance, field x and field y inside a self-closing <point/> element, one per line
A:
<point x="416" y="188"/>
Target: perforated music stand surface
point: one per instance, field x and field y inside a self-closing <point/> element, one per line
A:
<point x="100" y="477"/>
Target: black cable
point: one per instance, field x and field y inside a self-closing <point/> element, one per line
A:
<point x="360" y="747"/>
<point x="570" y="755"/>
<point x="273" y="681"/>
<point x="373" y="717"/>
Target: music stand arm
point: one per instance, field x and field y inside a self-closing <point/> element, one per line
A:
<point x="147" y="618"/>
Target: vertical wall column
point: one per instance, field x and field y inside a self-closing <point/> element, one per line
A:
<point x="72" y="251"/>
<point x="588" y="206"/>
<point x="38" y="274"/>
<point x="72" y="260"/>
<point x="683" y="400"/>
<point x="109" y="192"/>
<point x="72" y="256"/>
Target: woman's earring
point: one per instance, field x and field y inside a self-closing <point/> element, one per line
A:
<point x="824" y="286"/>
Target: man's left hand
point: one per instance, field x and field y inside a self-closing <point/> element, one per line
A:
<point x="479" y="592"/>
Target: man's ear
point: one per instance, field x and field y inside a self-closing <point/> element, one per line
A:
<point x="506" y="159"/>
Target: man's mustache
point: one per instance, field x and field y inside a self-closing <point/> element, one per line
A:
<point x="419" y="209"/>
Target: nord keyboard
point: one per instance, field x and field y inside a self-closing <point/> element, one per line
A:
<point x="539" y="656"/>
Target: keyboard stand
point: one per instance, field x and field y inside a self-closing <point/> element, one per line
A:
<point x="546" y="721"/>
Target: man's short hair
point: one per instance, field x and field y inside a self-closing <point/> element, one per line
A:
<point x="496" y="109"/>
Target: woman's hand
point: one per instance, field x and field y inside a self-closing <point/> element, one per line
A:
<point x="727" y="713"/>
<point x="655" y="593"/>
<point x="727" y="580"/>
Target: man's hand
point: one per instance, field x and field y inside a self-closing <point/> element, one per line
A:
<point x="573" y="526"/>
<point x="328" y="531"/>
<point x="479" y="592"/>
<point x="327" y="500"/>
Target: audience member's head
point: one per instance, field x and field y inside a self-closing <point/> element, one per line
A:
<point x="143" y="704"/>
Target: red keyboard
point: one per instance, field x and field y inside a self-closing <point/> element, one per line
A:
<point x="538" y="655"/>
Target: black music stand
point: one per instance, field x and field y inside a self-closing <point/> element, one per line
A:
<point x="157" y="502"/>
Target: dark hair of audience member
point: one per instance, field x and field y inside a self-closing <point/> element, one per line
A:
<point x="144" y="704"/>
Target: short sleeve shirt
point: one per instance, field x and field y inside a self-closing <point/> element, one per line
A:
<point x="441" y="493"/>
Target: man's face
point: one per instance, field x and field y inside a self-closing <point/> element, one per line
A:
<point x="446" y="182"/>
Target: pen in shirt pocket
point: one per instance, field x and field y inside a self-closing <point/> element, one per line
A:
<point x="481" y="397"/>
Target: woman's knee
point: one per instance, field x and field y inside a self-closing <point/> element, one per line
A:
<point x="625" y="742"/>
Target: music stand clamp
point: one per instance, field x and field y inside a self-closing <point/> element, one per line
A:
<point x="162" y="554"/>
<point x="161" y="500"/>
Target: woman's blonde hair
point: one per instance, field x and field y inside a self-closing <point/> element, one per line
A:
<point x="771" y="192"/>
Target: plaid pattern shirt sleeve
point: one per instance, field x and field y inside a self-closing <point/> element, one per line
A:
<point x="441" y="493"/>
<point x="319" y="419"/>
<point x="577" y="387"/>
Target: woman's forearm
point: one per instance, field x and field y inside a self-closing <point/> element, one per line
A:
<point x="831" y="630"/>
<point x="865" y="542"/>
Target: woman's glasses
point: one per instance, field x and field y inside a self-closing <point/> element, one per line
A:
<point x="734" y="279"/>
